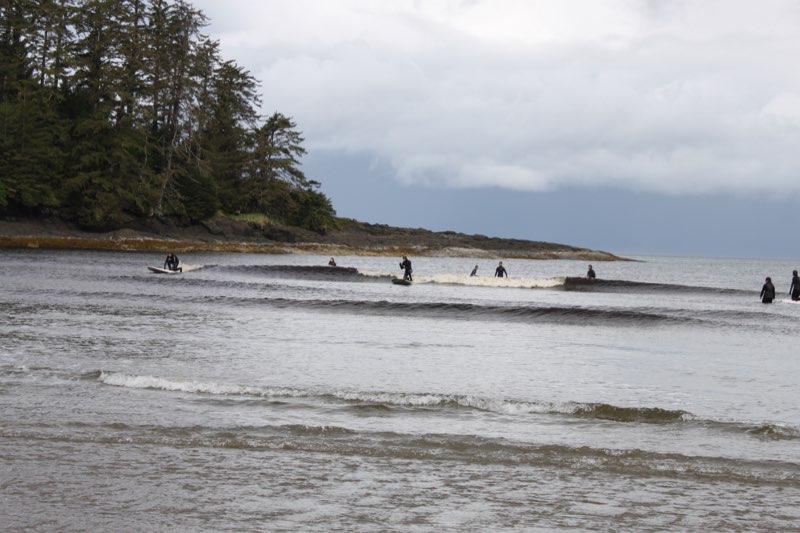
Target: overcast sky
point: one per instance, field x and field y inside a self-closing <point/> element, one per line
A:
<point x="627" y="125"/>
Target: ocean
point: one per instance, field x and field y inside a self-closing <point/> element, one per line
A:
<point x="275" y="393"/>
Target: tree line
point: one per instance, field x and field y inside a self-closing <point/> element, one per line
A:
<point x="112" y="110"/>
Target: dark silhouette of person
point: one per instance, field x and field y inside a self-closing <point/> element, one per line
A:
<point x="332" y="262"/>
<point x="172" y="263"/>
<point x="794" y="290"/>
<point x="500" y="271"/>
<point x="405" y="264"/>
<point x="474" y="271"/>
<point x="767" y="291"/>
<point x="591" y="274"/>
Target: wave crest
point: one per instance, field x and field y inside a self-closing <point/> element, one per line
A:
<point x="646" y="415"/>
<point x="383" y="401"/>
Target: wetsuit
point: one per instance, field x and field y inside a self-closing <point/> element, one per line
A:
<point x="767" y="293"/>
<point x="172" y="263"/>
<point x="794" y="290"/>
<point x="500" y="271"/>
<point x="590" y="274"/>
<point x="474" y="272"/>
<point x="406" y="265"/>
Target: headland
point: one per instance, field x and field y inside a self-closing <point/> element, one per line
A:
<point x="225" y="234"/>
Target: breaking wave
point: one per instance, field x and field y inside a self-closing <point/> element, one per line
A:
<point x="518" y="313"/>
<point x="388" y="401"/>
<point x="318" y="272"/>
<point x="568" y="283"/>
<point x="613" y="285"/>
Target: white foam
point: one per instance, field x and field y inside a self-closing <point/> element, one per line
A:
<point x="504" y="406"/>
<point x="193" y="386"/>
<point x="386" y="398"/>
<point x="374" y="274"/>
<point x="474" y="402"/>
<point x="486" y="281"/>
<point x="477" y="281"/>
<point x="392" y="398"/>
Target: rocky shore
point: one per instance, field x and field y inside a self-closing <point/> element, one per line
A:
<point x="228" y="235"/>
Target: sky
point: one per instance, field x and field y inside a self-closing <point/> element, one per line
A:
<point x="631" y="126"/>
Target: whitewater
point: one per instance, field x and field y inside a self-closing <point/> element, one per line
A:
<point x="275" y="393"/>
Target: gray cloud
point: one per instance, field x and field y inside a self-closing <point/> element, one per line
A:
<point x="675" y="97"/>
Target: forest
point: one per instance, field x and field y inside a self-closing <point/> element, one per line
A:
<point x="114" y="110"/>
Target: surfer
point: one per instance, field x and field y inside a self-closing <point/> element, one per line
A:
<point x="172" y="263"/>
<point x="405" y="264"/>
<point x="590" y="274"/>
<point x="794" y="290"/>
<point x="500" y="271"/>
<point x="474" y="271"/>
<point x="768" y="291"/>
<point x="332" y="262"/>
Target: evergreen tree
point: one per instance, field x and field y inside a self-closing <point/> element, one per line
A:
<point x="175" y="31"/>
<point x="278" y="185"/>
<point x="31" y="132"/>
<point x="97" y="195"/>
<point x="117" y="109"/>
<point x="228" y="132"/>
<point x="276" y="156"/>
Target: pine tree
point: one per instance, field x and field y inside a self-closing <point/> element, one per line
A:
<point x="116" y="109"/>
<point x="31" y="132"/>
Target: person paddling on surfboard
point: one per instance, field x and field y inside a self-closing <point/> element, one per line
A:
<point x="768" y="291"/>
<point x="794" y="290"/>
<point x="172" y="263"/>
<point x="405" y="264"/>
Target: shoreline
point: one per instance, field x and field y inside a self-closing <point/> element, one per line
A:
<point x="49" y="234"/>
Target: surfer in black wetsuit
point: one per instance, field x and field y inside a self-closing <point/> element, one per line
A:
<point x="172" y="262"/>
<point x="405" y="264"/>
<point x="590" y="274"/>
<point x="332" y="262"/>
<point x="500" y="271"/>
<point x="474" y="271"/>
<point x="768" y="291"/>
<point x="794" y="290"/>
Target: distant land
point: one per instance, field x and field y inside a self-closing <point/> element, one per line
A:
<point x="161" y="146"/>
<point x="225" y="234"/>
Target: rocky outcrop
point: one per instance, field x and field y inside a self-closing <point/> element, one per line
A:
<point x="229" y="235"/>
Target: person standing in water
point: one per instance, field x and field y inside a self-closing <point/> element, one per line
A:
<point x="590" y="274"/>
<point x="405" y="264"/>
<point x="794" y="289"/>
<point x="767" y="291"/>
<point x="474" y="271"/>
<point x="332" y="262"/>
<point x="500" y="271"/>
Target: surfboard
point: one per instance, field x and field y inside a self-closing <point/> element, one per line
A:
<point x="789" y="301"/>
<point x="158" y="270"/>
<point x="398" y="281"/>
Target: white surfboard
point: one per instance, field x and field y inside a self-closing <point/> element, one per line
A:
<point x="790" y="302"/>
<point x="158" y="270"/>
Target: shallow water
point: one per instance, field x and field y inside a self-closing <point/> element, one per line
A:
<point x="272" y="393"/>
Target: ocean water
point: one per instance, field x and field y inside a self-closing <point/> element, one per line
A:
<point x="274" y="393"/>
